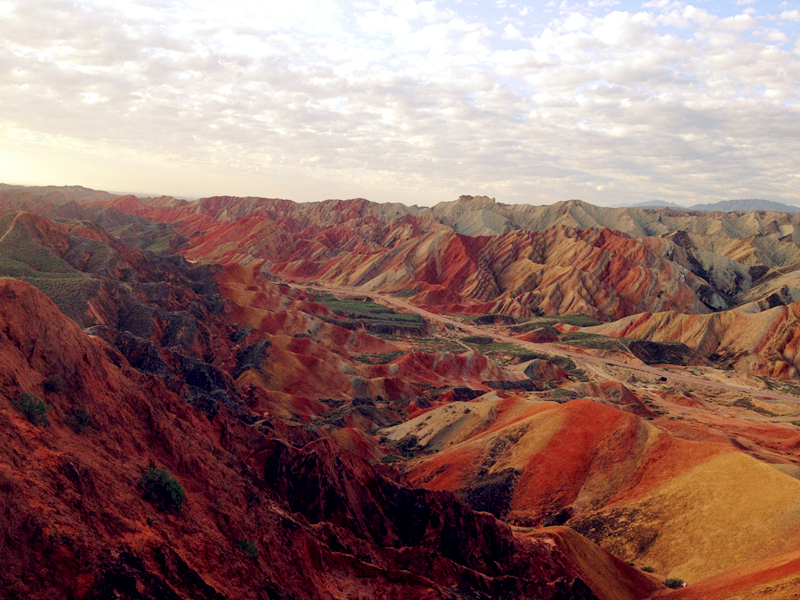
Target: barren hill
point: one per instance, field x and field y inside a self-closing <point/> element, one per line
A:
<point x="466" y="402"/>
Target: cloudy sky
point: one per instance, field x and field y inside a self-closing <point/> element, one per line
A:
<point x="609" y="101"/>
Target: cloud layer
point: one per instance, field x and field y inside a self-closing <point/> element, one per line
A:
<point x="400" y="100"/>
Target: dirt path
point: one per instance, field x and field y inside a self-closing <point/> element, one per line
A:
<point x="11" y="226"/>
<point x="546" y="348"/>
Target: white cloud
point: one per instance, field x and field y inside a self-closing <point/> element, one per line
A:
<point x="790" y="15"/>
<point x="511" y="33"/>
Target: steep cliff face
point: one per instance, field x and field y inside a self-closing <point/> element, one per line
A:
<point x="270" y="510"/>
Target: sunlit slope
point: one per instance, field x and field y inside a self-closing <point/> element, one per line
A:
<point x="688" y="508"/>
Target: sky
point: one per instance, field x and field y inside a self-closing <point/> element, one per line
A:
<point x="612" y="102"/>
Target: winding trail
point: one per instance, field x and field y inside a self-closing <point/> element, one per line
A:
<point x="661" y="372"/>
<point x="11" y="225"/>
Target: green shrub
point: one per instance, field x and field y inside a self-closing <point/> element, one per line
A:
<point x="648" y="569"/>
<point x="160" y="488"/>
<point x="673" y="582"/>
<point x="33" y="408"/>
<point x="79" y="420"/>
<point x="248" y="547"/>
<point x="55" y="383"/>
<point x="478" y="339"/>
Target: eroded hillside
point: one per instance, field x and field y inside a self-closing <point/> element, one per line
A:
<point x="376" y="399"/>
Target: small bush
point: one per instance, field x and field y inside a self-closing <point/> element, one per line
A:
<point x="55" y="383"/>
<point x="79" y="420"/>
<point x="673" y="582"/>
<point x="248" y="547"/>
<point x="648" y="569"/>
<point x="478" y="339"/>
<point x="160" y="488"/>
<point x="33" y="408"/>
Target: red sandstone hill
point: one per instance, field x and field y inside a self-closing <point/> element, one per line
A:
<point x="720" y="256"/>
<point x="764" y="343"/>
<point x="689" y="508"/>
<point x="211" y="330"/>
<point x="371" y="247"/>
<point x="318" y="521"/>
<point x="261" y="402"/>
<point x="731" y="252"/>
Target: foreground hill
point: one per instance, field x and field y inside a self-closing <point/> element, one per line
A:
<point x="689" y="508"/>
<point x="270" y="508"/>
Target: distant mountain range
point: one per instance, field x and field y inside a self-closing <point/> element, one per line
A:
<point x="724" y="206"/>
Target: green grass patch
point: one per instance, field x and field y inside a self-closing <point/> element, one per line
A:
<point x="375" y="318"/>
<point x="594" y="342"/>
<point x="563" y="394"/>
<point x="70" y="294"/>
<point x="436" y="345"/>
<point x="539" y="322"/>
<point x="480" y="340"/>
<point x="379" y="358"/>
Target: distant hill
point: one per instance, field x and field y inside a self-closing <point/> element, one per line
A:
<point x="67" y="193"/>
<point x="747" y="204"/>
<point x="656" y="204"/>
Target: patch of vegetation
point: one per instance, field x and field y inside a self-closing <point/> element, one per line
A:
<point x="160" y="488"/>
<point x="80" y="420"/>
<point x="379" y="358"/>
<point x="648" y="569"/>
<point x="248" y="548"/>
<point x="538" y="322"/>
<point x="71" y="294"/>
<point x="747" y="403"/>
<point x="375" y="318"/>
<point x="54" y="383"/>
<point x="33" y="408"/>
<point x="593" y="341"/>
<point x="407" y="293"/>
<point x="563" y="394"/>
<point x="784" y="387"/>
<point x="480" y="340"/>
<point x="393" y="458"/>
<point x="434" y="345"/>
<point x="674" y="582"/>
<point x="20" y="257"/>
